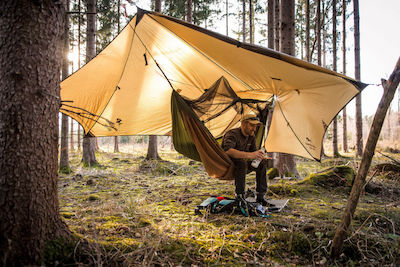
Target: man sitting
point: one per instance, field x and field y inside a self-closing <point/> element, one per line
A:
<point x="240" y="145"/>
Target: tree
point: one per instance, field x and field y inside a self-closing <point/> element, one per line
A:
<point x="152" y="152"/>
<point x="308" y="30"/>
<point x="89" y="143"/>
<point x="334" y="50"/>
<point x="71" y="132"/>
<point x="251" y="21"/>
<point x="64" y="157"/>
<point x="30" y="45"/>
<point x="277" y="24"/>
<point x="286" y="163"/>
<point x="344" y="114"/>
<point x="189" y="11"/>
<point x="359" y="134"/>
<point x="244" y="20"/>
<point x="116" y="145"/>
<point x="271" y="24"/>
<point x="389" y="88"/>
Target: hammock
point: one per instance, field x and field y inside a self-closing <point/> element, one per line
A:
<point x="193" y="139"/>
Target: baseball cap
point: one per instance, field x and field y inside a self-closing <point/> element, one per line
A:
<point x="252" y="118"/>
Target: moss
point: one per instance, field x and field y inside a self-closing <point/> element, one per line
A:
<point x="58" y="250"/>
<point x="282" y="189"/>
<point x="65" y="170"/>
<point x="294" y="242"/>
<point x="67" y="214"/>
<point x="93" y="197"/>
<point x="331" y="178"/>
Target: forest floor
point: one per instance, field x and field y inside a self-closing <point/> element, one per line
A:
<point x="133" y="212"/>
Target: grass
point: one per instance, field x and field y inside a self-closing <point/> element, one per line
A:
<point x="134" y="212"/>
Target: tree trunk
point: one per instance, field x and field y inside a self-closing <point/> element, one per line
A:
<point x="89" y="143"/>
<point x="157" y="6"/>
<point x="71" y="134"/>
<point x="308" y="30"/>
<point x="244" y="21"/>
<point x="189" y="12"/>
<point x="324" y="35"/>
<point x="251" y="21"/>
<point x="359" y="182"/>
<point x="345" y="149"/>
<point x="79" y="138"/>
<point x="271" y="24"/>
<point x="359" y="133"/>
<point x="334" y="50"/>
<point x="30" y="44"/>
<point x="277" y="19"/>
<point x="64" y="155"/>
<point x="152" y="152"/>
<point x="318" y="31"/>
<point x="286" y="163"/>
<point x="116" y="146"/>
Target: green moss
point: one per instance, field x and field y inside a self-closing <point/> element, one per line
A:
<point x="283" y="189"/>
<point x="58" y="250"/>
<point x="294" y="242"/>
<point x="93" y="197"/>
<point x="65" y="170"/>
<point x="331" y="178"/>
<point x="67" y="214"/>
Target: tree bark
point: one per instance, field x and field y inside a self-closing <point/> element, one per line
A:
<point x="359" y="127"/>
<point x="251" y="22"/>
<point x="286" y="163"/>
<point x="318" y="31"/>
<point x="30" y="61"/>
<point x="64" y="155"/>
<point x="244" y="21"/>
<point x="116" y="145"/>
<point x="152" y="152"/>
<point x="157" y="6"/>
<point x="89" y="143"/>
<point x="345" y="149"/>
<point x="271" y="24"/>
<point x="189" y="12"/>
<point x="79" y="138"/>
<point x="308" y="30"/>
<point x="277" y="19"/>
<point x="334" y="50"/>
<point x="359" y="182"/>
<point x="71" y="134"/>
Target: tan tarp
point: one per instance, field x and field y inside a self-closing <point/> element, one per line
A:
<point x="123" y="91"/>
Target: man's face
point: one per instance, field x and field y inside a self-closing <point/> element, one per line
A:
<point x="248" y="128"/>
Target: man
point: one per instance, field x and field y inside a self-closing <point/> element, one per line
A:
<point x="240" y="145"/>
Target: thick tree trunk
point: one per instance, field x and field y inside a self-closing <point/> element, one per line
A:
<point x="152" y="152"/>
<point x="189" y="11"/>
<point x="89" y="143"/>
<point x="359" y="127"/>
<point x="345" y="149"/>
<point x="286" y="163"/>
<point x="277" y="19"/>
<point x="334" y="50"/>
<point x="359" y="182"/>
<point x="30" y="60"/>
<point x="271" y="24"/>
<point x="64" y="157"/>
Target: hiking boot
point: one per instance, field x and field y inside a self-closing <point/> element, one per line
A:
<point x="261" y="199"/>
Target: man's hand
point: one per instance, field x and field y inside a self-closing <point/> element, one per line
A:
<point x="259" y="154"/>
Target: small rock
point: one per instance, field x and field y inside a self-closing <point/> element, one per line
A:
<point x="90" y="182"/>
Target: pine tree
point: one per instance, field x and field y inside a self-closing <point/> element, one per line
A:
<point x="359" y="133"/>
<point x="29" y="105"/>
<point x="335" y="138"/>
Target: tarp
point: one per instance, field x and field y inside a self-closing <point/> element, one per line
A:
<point x="126" y="89"/>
